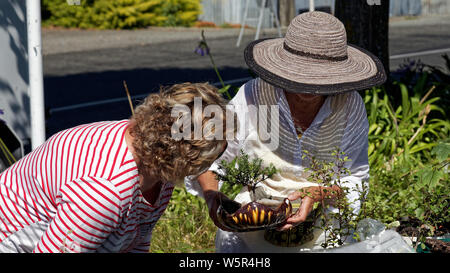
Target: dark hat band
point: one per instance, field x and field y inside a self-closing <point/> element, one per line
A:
<point x="314" y="56"/>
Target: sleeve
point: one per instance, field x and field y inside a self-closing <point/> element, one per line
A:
<point x="238" y="106"/>
<point x="144" y="244"/>
<point x="88" y="210"/>
<point x="355" y="146"/>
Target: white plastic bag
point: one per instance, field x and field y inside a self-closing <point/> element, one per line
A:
<point x="375" y="239"/>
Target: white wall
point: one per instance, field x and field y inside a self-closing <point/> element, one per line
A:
<point x="304" y="4"/>
<point x="231" y="11"/>
<point x="14" y="99"/>
<point x="436" y="6"/>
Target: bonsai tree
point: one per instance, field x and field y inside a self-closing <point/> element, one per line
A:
<point x="254" y="215"/>
<point x="242" y="171"/>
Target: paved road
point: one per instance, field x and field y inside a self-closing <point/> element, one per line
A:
<point x="84" y="70"/>
<point x="419" y="36"/>
<point x="87" y="66"/>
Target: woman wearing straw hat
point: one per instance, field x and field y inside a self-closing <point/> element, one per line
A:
<point x="312" y="75"/>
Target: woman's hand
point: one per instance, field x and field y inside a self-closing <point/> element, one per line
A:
<point x="213" y="200"/>
<point x="309" y="196"/>
<point x="212" y="195"/>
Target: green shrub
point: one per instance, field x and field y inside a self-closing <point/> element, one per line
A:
<point x="409" y="152"/>
<point x="120" y="14"/>
<point x="404" y="133"/>
<point x="419" y="78"/>
<point x="414" y="193"/>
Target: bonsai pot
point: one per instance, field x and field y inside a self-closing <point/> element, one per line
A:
<point x="252" y="216"/>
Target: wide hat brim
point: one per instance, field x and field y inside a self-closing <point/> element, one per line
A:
<point x="304" y="74"/>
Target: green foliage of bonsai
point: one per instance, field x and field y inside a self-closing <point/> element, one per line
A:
<point x="242" y="171"/>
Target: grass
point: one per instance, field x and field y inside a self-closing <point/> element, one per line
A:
<point x="185" y="226"/>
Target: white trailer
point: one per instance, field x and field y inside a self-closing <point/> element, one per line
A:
<point x="21" y="79"/>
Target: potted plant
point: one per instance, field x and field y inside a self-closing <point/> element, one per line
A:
<point x="252" y="216"/>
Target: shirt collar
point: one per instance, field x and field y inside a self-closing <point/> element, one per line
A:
<point x="324" y="112"/>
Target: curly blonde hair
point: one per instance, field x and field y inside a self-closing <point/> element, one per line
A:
<point x="157" y="151"/>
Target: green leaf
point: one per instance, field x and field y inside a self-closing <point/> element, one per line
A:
<point x="442" y="151"/>
<point x="406" y="103"/>
<point x="419" y="213"/>
<point x="224" y="89"/>
<point x="422" y="245"/>
<point x="421" y="83"/>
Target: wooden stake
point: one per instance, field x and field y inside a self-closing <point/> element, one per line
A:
<point x="129" y="97"/>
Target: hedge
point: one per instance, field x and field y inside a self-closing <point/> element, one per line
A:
<point x="120" y="14"/>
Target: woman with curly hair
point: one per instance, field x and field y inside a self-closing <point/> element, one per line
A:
<point x="101" y="187"/>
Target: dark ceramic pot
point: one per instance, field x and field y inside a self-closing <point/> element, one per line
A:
<point x="252" y="216"/>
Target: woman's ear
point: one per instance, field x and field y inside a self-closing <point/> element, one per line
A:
<point x="131" y="125"/>
<point x="132" y="122"/>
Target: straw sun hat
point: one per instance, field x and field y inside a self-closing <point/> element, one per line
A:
<point x="314" y="58"/>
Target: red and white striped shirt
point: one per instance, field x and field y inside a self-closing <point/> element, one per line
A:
<point x="78" y="192"/>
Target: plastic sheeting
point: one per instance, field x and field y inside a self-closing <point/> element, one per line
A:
<point x="375" y="239"/>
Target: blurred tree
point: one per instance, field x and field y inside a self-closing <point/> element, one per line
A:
<point x="120" y="14"/>
<point x="367" y="25"/>
<point x="286" y="11"/>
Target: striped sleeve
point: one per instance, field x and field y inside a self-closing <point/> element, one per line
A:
<point x="355" y="145"/>
<point x="144" y="245"/>
<point x="88" y="210"/>
<point x="357" y="129"/>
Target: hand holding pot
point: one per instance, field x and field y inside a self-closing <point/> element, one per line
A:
<point x="309" y="196"/>
<point x="214" y="199"/>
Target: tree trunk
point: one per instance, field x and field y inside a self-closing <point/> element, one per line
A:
<point x="367" y="25"/>
<point x="286" y="11"/>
